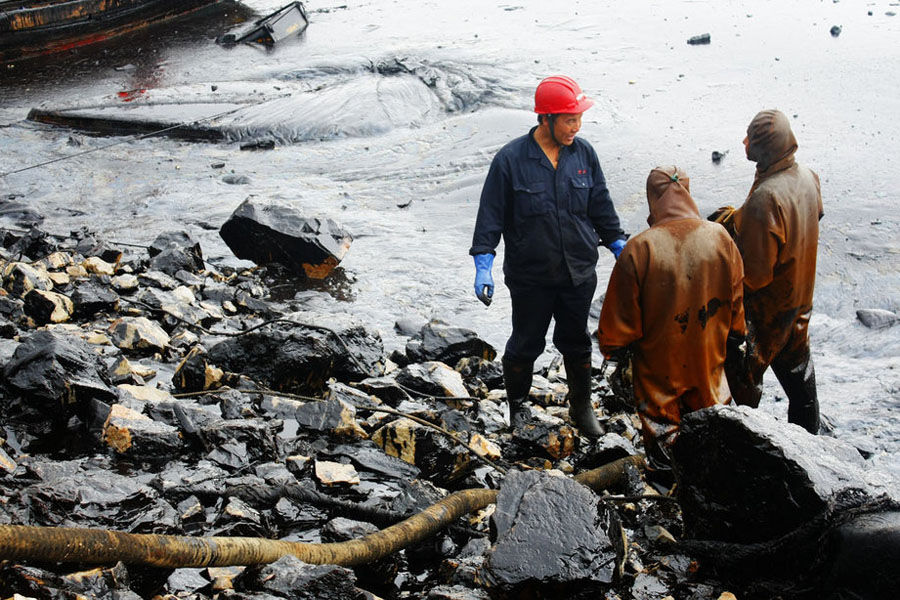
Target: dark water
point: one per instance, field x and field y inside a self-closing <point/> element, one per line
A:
<point x="387" y="115"/>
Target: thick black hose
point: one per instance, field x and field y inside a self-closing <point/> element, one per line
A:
<point x="63" y="544"/>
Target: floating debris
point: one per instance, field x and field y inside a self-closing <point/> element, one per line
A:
<point x="698" y="40"/>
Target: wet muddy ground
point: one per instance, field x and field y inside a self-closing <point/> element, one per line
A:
<point x="391" y="114"/>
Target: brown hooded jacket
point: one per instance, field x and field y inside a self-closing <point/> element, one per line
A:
<point x="674" y="295"/>
<point x="777" y="232"/>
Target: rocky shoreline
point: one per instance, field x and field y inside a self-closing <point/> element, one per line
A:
<point x="146" y="391"/>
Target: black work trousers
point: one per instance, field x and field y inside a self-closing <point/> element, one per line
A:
<point x="532" y="308"/>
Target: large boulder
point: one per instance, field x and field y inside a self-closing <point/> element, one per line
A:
<point x="269" y="232"/>
<point x="771" y="507"/>
<point x="745" y="477"/>
<point x="301" y="359"/>
<point x="554" y="538"/>
<point x="55" y="372"/>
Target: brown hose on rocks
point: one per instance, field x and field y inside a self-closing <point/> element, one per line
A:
<point x="63" y="544"/>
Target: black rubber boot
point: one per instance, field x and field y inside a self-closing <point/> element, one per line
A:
<point x="517" y="380"/>
<point x="799" y="384"/>
<point x="578" y="374"/>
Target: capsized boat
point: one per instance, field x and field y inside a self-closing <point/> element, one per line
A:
<point x="36" y="27"/>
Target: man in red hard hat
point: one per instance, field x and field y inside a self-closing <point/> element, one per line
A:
<point x="546" y="196"/>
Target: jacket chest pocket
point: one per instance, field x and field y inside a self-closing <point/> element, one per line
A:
<point x="579" y="194"/>
<point x="532" y="199"/>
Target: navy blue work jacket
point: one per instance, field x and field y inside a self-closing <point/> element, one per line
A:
<point x="551" y="220"/>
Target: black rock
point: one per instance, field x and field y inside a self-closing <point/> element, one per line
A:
<point x="81" y="494"/>
<point x="175" y="251"/>
<point x="299" y="359"/>
<point x="448" y="344"/>
<point x="718" y="156"/>
<point x="290" y="577"/>
<point x="90" y="298"/>
<point x="277" y="233"/>
<point x="553" y="537"/>
<point x="261" y="144"/>
<point x="745" y="477"/>
<point x="36" y="244"/>
<point x="58" y="372"/>
<point x="835" y="30"/>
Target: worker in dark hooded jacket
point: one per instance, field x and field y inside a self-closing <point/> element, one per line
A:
<point x="674" y="297"/>
<point x="777" y="232"/>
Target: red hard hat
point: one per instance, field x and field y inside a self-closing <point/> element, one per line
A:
<point x="560" y="94"/>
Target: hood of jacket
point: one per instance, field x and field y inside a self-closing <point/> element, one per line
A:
<point x="770" y="139"/>
<point x="669" y="196"/>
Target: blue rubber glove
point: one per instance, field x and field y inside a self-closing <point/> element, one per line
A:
<point x="484" y="282"/>
<point x="616" y="248"/>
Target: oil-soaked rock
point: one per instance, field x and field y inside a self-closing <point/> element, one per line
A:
<point x="865" y="553"/>
<point x="369" y="457"/>
<point x="77" y="493"/>
<point x="546" y="434"/>
<point x="438" y="459"/>
<point x="745" y="477"/>
<point x="12" y="309"/>
<point x="335" y="416"/>
<point x="383" y="388"/>
<point x="300" y="359"/>
<point x="487" y="372"/>
<point x="553" y="536"/>
<point x="57" y="372"/>
<point x="239" y="519"/>
<point x="139" y="335"/>
<point x="175" y="251"/>
<point x="158" y="279"/>
<point x="258" y="435"/>
<point x="448" y="344"/>
<point x="432" y="378"/>
<point x="90" y="298"/>
<point x="195" y="374"/>
<point x="463" y="568"/>
<point x="48" y="307"/>
<point x="270" y="232"/>
<point x="877" y="318"/>
<point x="101" y="582"/>
<point x="186" y="581"/>
<point x="20" y="278"/>
<point x="290" y="577"/>
<point x="455" y="592"/>
<point x="133" y="434"/>
<point x="88" y="244"/>
<point x="35" y="244"/>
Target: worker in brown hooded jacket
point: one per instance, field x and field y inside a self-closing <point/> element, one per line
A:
<point x="777" y="232"/>
<point x="674" y="296"/>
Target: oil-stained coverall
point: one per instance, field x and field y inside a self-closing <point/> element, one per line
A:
<point x="551" y="221"/>
<point x="674" y="296"/>
<point x="777" y="232"/>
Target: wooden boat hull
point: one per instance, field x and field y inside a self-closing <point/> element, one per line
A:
<point x="34" y="27"/>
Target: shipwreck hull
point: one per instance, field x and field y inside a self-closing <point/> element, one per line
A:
<point x="33" y="28"/>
